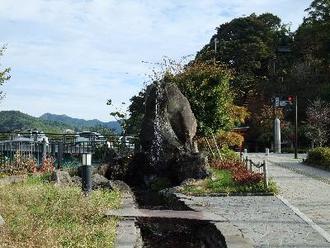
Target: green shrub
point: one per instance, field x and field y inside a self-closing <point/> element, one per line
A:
<point x="228" y="154"/>
<point x="319" y="157"/>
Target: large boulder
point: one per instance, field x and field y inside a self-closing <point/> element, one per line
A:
<point x="169" y="125"/>
<point x="167" y="136"/>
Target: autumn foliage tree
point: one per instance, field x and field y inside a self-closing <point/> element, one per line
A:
<point x="318" y="119"/>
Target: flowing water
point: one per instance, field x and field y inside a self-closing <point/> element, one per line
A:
<point x="157" y="141"/>
<point x="170" y="233"/>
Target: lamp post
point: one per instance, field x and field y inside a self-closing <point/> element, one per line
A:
<point x="86" y="171"/>
<point x="296" y="129"/>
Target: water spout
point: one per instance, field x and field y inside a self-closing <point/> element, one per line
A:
<point x="157" y="141"/>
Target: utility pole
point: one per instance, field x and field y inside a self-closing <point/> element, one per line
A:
<point x="216" y="41"/>
<point x="296" y="129"/>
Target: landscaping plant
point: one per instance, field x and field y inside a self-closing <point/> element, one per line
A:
<point x="240" y="174"/>
<point x="319" y="157"/>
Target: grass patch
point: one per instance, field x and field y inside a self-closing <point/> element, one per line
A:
<point x="41" y="214"/>
<point x="221" y="181"/>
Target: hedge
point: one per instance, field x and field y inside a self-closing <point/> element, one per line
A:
<point x="319" y="157"/>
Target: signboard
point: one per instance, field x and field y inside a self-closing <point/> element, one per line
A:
<point x="282" y="101"/>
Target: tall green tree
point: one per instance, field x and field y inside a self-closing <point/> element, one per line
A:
<point x="312" y="38"/>
<point x="136" y="110"/>
<point x="257" y="49"/>
<point x="212" y="101"/>
<point x="4" y="74"/>
<point x="310" y="73"/>
<point x="250" y="46"/>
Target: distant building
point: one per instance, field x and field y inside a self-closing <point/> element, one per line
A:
<point x="88" y="136"/>
<point x="29" y="136"/>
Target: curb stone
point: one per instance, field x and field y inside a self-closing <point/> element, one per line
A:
<point x="127" y="233"/>
<point x="234" y="194"/>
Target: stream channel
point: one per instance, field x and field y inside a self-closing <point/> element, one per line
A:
<point x="171" y="233"/>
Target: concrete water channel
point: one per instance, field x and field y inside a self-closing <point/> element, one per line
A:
<point x="152" y="219"/>
<point x="166" y="223"/>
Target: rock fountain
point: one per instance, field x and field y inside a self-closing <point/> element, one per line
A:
<point x="167" y="137"/>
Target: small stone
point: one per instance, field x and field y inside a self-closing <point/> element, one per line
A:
<point x="61" y="177"/>
<point x="103" y="170"/>
<point x="99" y="181"/>
<point x="120" y="185"/>
<point x="76" y="180"/>
<point x="2" y="221"/>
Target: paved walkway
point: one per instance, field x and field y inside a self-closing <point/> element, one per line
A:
<point x="271" y="221"/>
<point x="305" y="187"/>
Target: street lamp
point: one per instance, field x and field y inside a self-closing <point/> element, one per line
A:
<point x="86" y="171"/>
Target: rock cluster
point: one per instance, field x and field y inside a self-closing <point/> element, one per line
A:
<point x="63" y="178"/>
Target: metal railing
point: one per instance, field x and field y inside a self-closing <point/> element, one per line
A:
<point x="261" y="167"/>
<point x="58" y="146"/>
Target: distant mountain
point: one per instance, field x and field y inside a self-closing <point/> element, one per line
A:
<point x="50" y="123"/>
<point x="81" y="124"/>
<point x="15" y="120"/>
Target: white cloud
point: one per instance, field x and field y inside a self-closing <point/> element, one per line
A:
<point x="71" y="55"/>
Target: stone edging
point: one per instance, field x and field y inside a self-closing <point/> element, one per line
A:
<point x="231" y="194"/>
<point x="127" y="233"/>
<point x="310" y="222"/>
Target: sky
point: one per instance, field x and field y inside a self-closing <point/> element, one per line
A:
<point x="70" y="56"/>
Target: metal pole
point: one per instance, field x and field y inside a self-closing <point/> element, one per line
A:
<point x="296" y="129"/>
